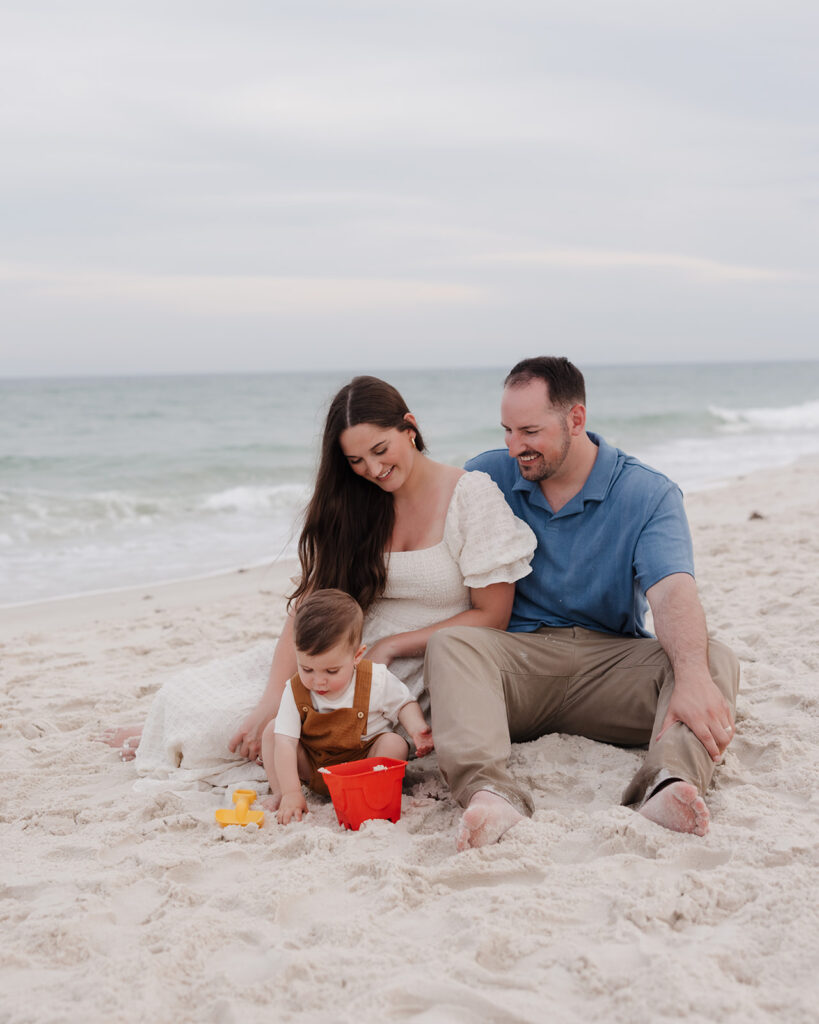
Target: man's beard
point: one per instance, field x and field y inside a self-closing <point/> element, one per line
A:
<point x="540" y="469"/>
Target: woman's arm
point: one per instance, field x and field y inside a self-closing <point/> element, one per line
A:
<point x="247" y="742"/>
<point x="491" y="606"/>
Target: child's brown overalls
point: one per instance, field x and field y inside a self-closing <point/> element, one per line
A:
<point x="332" y="737"/>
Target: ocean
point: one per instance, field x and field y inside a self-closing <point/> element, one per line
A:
<point x="116" y="482"/>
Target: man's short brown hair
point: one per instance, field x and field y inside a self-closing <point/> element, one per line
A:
<point x="326" y="618"/>
<point x="563" y="379"/>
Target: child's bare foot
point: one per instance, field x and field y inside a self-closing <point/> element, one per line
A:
<point x="678" y="806"/>
<point x="126" y="739"/>
<point x="271" y="803"/>
<point x="486" y="819"/>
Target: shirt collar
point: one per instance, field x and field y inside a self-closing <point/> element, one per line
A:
<point x="602" y="474"/>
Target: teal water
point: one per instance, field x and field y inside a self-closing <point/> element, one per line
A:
<point x="110" y="482"/>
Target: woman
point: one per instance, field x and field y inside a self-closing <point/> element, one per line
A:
<point x="419" y="544"/>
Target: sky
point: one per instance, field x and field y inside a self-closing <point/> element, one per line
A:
<point x="261" y="186"/>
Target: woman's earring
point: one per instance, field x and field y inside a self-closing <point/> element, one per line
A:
<point x="412" y="441"/>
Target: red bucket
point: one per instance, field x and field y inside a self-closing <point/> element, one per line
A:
<point x="365" y="789"/>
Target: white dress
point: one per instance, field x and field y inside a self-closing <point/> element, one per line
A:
<point x="196" y="712"/>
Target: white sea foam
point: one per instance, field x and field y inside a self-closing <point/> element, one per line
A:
<point x="55" y="544"/>
<point x="793" y="417"/>
<point x="256" y="499"/>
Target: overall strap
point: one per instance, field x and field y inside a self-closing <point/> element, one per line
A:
<point x="363" y="683"/>
<point x="301" y="695"/>
<point x="361" y="699"/>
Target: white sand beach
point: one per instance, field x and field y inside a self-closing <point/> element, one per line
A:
<point x="124" y="905"/>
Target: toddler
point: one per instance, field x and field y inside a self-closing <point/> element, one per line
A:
<point x="337" y="708"/>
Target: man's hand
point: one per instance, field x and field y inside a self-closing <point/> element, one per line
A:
<point x="293" y="806"/>
<point x="697" y="703"/>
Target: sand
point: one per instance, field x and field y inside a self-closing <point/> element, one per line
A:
<point x="121" y="905"/>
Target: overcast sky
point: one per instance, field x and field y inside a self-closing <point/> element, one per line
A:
<point x="269" y="185"/>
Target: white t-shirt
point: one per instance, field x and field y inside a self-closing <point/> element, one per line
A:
<point x="387" y="696"/>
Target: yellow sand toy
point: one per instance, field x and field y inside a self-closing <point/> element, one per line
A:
<point x="243" y="798"/>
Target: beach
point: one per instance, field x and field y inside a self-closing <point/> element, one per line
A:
<point x="125" y="904"/>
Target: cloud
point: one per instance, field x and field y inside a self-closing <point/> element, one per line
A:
<point x="447" y="173"/>
<point x="240" y="295"/>
<point x="605" y="259"/>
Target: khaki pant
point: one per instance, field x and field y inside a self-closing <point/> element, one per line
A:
<point x="490" y="689"/>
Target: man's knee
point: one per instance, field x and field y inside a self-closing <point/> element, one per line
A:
<point x="458" y="657"/>
<point x="724" y="666"/>
<point x="449" y="645"/>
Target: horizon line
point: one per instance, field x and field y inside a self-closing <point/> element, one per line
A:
<point x="448" y="368"/>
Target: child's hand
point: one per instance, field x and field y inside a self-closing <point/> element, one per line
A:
<point x="423" y="742"/>
<point x="293" y="805"/>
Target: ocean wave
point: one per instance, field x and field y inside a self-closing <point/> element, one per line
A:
<point x="787" y="418"/>
<point x="29" y="516"/>
<point x="255" y="498"/>
<point x="33" y="508"/>
<point x="695" y="463"/>
<point x="49" y="549"/>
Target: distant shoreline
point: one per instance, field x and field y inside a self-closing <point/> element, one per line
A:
<point x="160" y="479"/>
<point x="273" y="577"/>
<point x="385" y="371"/>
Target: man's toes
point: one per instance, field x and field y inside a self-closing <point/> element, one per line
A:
<point x="678" y="807"/>
<point x="702" y="816"/>
<point x="487" y="819"/>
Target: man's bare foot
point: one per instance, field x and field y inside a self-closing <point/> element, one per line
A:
<point x="271" y="803"/>
<point x="678" y="806"/>
<point x="486" y="819"/>
<point x="126" y="739"/>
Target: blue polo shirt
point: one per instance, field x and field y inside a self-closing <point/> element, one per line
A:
<point x="595" y="558"/>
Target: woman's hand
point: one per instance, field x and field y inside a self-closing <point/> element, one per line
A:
<point x="382" y="651"/>
<point x="247" y="741"/>
<point x="491" y="606"/>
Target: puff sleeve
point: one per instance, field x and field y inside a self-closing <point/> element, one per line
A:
<point x="486" y="539"/>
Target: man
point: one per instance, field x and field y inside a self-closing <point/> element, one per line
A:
<point x="613" y="541"/>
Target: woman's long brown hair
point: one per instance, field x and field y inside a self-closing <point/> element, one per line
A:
<point x="349" y="520"/>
